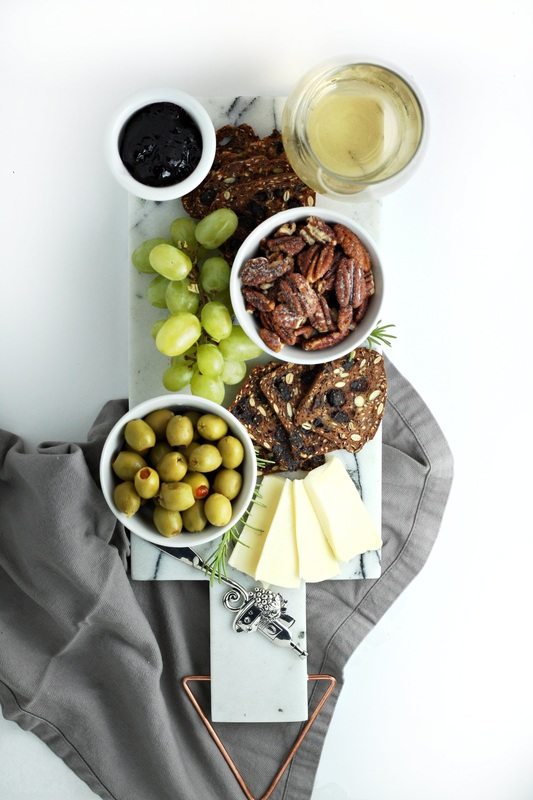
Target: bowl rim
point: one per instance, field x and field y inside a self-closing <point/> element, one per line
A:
<point x="293" y="354"/>
<point x="137" y="101"/>
<point x="189" y="402"/>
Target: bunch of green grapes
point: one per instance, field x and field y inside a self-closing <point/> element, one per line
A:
<point x="191" y="282"/>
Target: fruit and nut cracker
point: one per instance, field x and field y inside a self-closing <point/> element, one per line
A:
<point x="284" y="388"/>
<point x="250" y="175"/>
<point x="347" y="400"/>
<point x="252" y="409"/>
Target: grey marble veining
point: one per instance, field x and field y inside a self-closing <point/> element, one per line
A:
<point x="283" y="677"/>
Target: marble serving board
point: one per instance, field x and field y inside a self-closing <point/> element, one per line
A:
<point x="281" y="676"/>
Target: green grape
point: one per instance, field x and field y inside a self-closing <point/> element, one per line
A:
<point x="182" y="235"/>
<point x="218" y="226"/>
<point x="210" y="388"/>
<point x="177" y="377"/>
<point x="233" y="372"/>
<point x="210" y="360"/>
<point x="214" y="274"/>
<point x="140" y="256"/>
<point x="216" y="320"/>
<point x="156" y="292"/>
<point x="180" y="297"/>
<point x="238" y="347"/>
<point x="156" y="327"/>
<point x="170" y="262"/>
<point x="178" y="333"/>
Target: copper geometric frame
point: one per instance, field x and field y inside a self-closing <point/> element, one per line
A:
<point x="228" y="759"/>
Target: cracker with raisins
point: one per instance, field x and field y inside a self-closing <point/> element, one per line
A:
<point x="284" y="388"/>
<point x="253" y="410"/>
<point x="346" y="401"/>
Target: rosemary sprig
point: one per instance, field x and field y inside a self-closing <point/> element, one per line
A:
<point x="218" y="559"/>
<point x="381" y="335"/>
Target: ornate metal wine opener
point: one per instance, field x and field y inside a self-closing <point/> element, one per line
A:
<point x="257" y="609"/>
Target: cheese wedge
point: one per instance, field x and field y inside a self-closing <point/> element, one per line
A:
<point x="316" y="561"/>
<point x="278" y="562"/>
<point x="340" y="511"/>
<point x="247" y="550"/>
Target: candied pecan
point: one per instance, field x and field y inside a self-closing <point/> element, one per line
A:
<point x="361" y="311"/>
<point x="344" y="319"/>
<point x="260" y="271"/>
<point x="306" y="331"/>
<point x="321" y="319"/>
<point x="288" y="295"/>
<point x="287" y="229"/>
<point x="283" y="317"/>
<point x="266" y="320"/>
<point x="286" y="335"/>
<point x="306" y="258"/>
<point x="271" y="339"/>
<point x="329" y="313"/>
<point x="320" y="266"/>
<point x="291" y="245"/>
<point x="369" y="280"/>
<point x="316" y="230"/>
<point x="305" y="293"/>
<point x="321" y="342"/>
<point x="359" y="286"/>
<point x="344" y="282"/>
<point x="353" y="246"/>
<point x="326" y="283"/>
<point x="258" y="299"/>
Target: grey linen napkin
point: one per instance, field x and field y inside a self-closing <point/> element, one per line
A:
<point x="91" y="662"/>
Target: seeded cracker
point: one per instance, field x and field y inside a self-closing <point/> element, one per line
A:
<point x="347" y="400"/>
<point x="252" y="409"/>
<point x="284" y="388"/>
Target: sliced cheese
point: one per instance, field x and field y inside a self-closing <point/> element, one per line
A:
<point x="340" y="510"/>
<point x="316" y="561"/>
<point x="247" y="550"/>
<point x="278" y="562"/>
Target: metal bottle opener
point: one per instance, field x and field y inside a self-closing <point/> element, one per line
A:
<point x="256" y="609"/>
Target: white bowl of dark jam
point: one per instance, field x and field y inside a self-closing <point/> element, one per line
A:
<point x="161" y="144"/>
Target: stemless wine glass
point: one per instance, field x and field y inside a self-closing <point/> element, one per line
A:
<point x="353" y="127"/>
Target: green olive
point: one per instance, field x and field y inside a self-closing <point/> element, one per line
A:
<point x="158" y="421"/>
<point x="180" y="431"/>
<point x="204" y="458"/>
<point x="232" y="452"/>
<point x="126" y="464"/>
<point x="218" y="509"/>
<point x="194" y="519"/>
<point x="146" y="483"/>
<point x="211" y="427"/>
<point x="228" y="482"/>
<point x="176" y="496"/>
<point x="172" y="467"/>
<point x="188" y="450"/>
<point x="168" y="523"/>
<point x="198" y="483"/>
<point x="139" y="435"/>
<point x="126" y="498"/>
<point x="157" y="452"/>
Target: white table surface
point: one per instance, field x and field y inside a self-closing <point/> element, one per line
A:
<point x="438" y="701"/>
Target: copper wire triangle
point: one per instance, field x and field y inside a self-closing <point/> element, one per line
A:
<point x="228" y="759"/>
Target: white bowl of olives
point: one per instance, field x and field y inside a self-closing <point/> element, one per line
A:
<point x="178" y="474"/>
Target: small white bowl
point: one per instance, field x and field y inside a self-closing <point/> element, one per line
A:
<point x="250" y="248"/>
<point x="200" y="117"/>
<point x="143" y="525"/>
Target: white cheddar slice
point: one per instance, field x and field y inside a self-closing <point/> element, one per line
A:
<point x="316" y="561"/>
<point x="247" y="550"/>
<point x="340" y="510"/>
<point x="278" y="562"/>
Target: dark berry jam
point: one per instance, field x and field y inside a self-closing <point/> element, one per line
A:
<point x="160" y="144"/>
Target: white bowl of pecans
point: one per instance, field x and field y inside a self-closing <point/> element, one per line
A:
<point x="307" y="285"/>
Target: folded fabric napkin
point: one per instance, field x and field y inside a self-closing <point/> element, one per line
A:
<point x="91" y="662"/>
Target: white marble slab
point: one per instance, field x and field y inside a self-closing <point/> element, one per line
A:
<point x="239" y="663"/>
